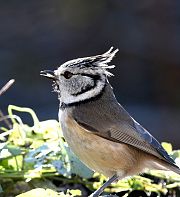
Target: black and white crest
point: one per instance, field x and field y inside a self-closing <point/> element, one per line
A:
<point x="94" y="62"/>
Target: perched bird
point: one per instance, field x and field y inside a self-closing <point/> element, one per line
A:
<point x="97" y="128"/>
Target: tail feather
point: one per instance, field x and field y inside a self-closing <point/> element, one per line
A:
<point x="159" y="164"/>
<point x="163" y="165"/>
<point x="173" y="168"/>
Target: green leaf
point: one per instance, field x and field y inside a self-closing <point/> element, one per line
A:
<point x="175" y="154"/>
<point x="5" y="153"/>
<point x="15" y="163"/>
<point x="39" y="192"/>
<point x="74" y="192"/>
<point x="14" y="150"/>
<point x="167" y="146"/>
<point x="77" y="167"/>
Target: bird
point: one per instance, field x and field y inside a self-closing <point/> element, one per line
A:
<point x="100" y="132"/>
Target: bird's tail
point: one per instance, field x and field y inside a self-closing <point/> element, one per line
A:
<point x="159" y="164"/>
<point x="173" y="168"/>
<point x="163" y="165"/>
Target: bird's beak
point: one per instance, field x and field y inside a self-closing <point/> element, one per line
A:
<point x="48" y="73"/>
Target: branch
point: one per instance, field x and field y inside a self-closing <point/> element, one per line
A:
<point x="6" y="86"/>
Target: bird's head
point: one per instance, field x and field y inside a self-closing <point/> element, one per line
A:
<point x="81" y="79"/>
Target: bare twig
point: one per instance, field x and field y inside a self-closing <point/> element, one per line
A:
<point x="2" y="91"/>
<point x="6" y="121"/>
<point x="6" y="86"/>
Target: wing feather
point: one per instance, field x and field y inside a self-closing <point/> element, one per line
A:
<point x="114" y="123"/>
<point x="123" y="136"/>
<point x="134" y="135"/>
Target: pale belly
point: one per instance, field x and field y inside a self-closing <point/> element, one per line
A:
<point x="99" y="154"/>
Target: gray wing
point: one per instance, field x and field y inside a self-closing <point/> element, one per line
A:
<point x="153" y="142"/>
<point x="120" y="127"/>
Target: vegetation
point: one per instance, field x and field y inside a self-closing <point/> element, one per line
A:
<point x="36" y="161"/>
<point x="37" y="158"/>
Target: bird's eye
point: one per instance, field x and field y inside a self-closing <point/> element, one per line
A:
<point x="67" y="74"/>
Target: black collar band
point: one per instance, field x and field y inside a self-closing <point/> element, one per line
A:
<point x="63" y="105"/>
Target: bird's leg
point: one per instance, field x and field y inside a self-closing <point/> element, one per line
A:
<point x="106" y="184"/>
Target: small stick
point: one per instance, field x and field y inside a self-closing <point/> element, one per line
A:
<point x="6" y="86"/>
<point x="2" y="91"/>
<point x="5" y="120"/>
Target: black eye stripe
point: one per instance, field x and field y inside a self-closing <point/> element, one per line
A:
<point x="95" y="77"/>
<point x="68" y="75"/>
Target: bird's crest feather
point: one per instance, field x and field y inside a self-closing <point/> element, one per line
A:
<point x="95" y="61"/>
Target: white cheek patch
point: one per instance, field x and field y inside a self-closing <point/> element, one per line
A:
<point x="69" y="99"/>
<point x="91" y="67"/>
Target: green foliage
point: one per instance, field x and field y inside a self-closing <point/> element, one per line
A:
<point x="32" y="157"/>
<point x="49" y="192"/>
<point x="37" y="152"/>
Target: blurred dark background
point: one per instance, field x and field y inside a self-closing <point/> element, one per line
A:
<point x="38" y="35"/>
